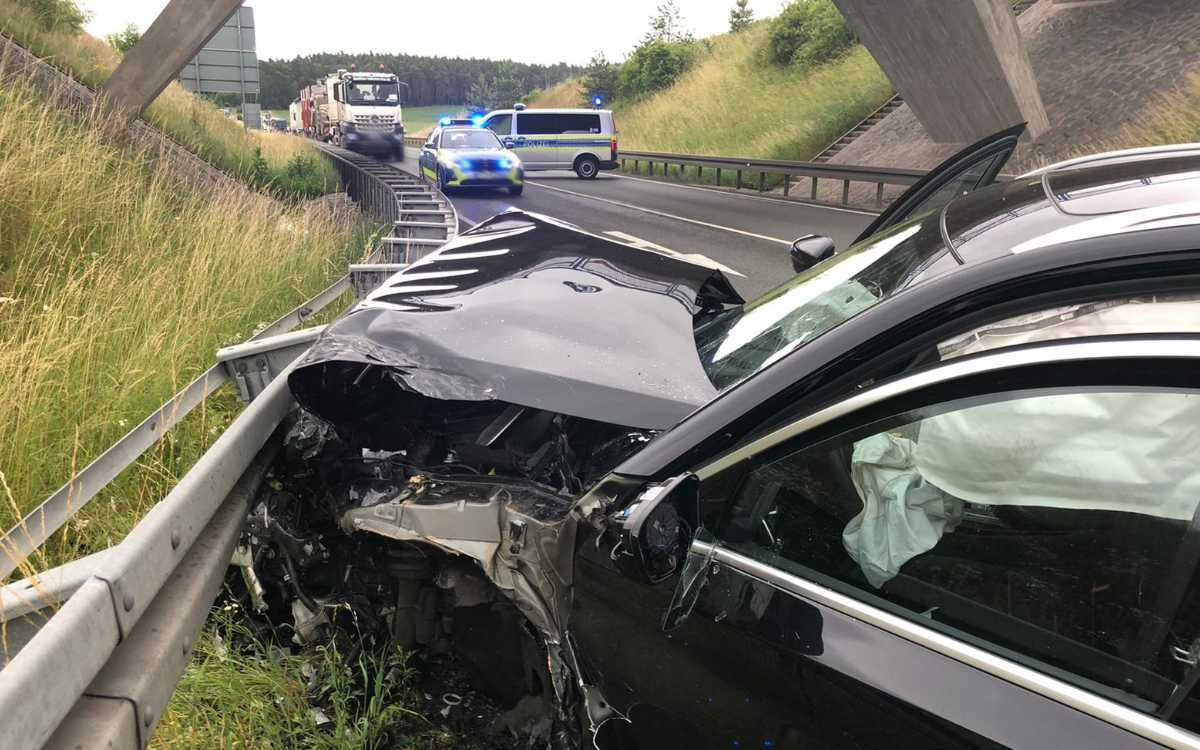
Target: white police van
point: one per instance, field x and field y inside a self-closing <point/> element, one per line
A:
<point x="583" y="140"/>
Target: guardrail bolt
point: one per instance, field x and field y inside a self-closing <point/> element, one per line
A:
<point x="175" y="539"/>
<point x="127" y="601"/>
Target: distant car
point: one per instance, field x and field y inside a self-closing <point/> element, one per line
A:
<point x="582" y="140"/>
<point x="937" y="491"/>
<point x="458" y="154"/>
<point x="279" y="125"/>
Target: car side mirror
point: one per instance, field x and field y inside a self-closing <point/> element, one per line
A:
<point x="654" y="530"/>
<point x="809" y="250"/>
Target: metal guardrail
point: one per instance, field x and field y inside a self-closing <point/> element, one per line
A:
<point x="814" y="171"/>
<point x="93" y="649"/>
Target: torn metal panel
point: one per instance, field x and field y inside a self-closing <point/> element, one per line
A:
<point x="526" y="310"/>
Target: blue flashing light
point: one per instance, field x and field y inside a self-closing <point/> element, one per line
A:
<point x="506" y="164"/>
<point x="464" y="163"/>
<point x="477" y="120"/>
<point x="597" y="100"/>
<point x="445" y="121"/>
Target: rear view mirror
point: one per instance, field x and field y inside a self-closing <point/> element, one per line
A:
<point x="653" y="531"/>
<point x="809" y="250"/>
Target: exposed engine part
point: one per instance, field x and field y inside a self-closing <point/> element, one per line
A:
<point x="449" y="530"/>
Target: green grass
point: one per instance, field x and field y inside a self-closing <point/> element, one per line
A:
<point x="1176" y="119"/>
<point x="243" y="691"/>
<point x="117" y="285"/>
<point x="733" y="103"/>
<point x="289" y="168"/>
<point x="418" y="121"/>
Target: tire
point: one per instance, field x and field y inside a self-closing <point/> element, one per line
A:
<point x="441" y="180"/>
<point x="516" y="189"/>
<point x="587" y="167"/>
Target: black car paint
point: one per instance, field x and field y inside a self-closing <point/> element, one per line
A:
<point x="787" y="672"/>
<point x="524" y="310"/>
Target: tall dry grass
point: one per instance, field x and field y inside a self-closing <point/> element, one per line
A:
<point x="117" y="284"/>
<point x="284" y="165"/>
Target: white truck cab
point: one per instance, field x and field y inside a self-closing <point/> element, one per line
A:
<point x="364" y="111"/>
<point x="582" y="140"/>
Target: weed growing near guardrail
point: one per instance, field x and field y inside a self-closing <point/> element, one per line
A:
<point x="242" y="689"/>
<point x="188" y="119"/>
<point x="117" y="284"/>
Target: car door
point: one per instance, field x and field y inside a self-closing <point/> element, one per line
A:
<point x="998" y="551"/>
<point x="535" y="140"/>
<point x="974" y="167"/>
<point x="428" y="159"/>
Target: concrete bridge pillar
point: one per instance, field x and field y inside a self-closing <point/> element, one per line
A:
<point x="174" y="38"/>
<point x="959" y="64"/>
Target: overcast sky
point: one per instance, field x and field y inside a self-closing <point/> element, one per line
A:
<point x="536" y="31"/>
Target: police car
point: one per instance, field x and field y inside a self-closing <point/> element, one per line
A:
<point x="459" y="154"/>
<point x="582" y="140"/>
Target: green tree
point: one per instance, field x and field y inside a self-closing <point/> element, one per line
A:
<point x="655" y="65"/>
<point x="668" y="25"/>
<point x="740" y="16"/>
<point x="57" y="15"/>
<point x="809" y="32"/>
<point x="600" y="77"/>
<point x="125" y="39"/>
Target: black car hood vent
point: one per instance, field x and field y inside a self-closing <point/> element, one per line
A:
<point x="526" y="310"/>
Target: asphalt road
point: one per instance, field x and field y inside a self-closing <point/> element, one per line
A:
<point x="745" y="232"/>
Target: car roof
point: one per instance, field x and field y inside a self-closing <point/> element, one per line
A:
<point x="1121" y="193"/>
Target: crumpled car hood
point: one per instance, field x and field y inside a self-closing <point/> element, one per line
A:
<point x="533" y="312"/>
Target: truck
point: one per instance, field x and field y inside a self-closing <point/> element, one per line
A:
<point x="356" y="110"/>
<point x="295" y="123"/>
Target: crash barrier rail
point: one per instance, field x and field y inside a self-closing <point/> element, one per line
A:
<point x="814" y="171"/>
<point x="91" y="651"/>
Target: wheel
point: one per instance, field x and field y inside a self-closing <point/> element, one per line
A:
<point x="587" y="167"/>
<point x="441" y="179"/>
<point x="516" y="189"/>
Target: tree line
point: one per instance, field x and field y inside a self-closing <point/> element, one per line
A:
<point x="431" y="80"/>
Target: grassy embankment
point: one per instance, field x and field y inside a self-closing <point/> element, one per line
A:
<point x="280" y="164"/>
<point x="733" y="102"/>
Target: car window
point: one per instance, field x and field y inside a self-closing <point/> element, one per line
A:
<point x="1058" y="529"/>
<point x="1156" y="313"/>
<point x="550" y="123"/>
<point x="473" y="138"/>
<point x="964" y="183"/>
<point x="500" y="124"/>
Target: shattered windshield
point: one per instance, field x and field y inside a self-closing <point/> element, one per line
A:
<point x="741" y="341"/>
<point x="370" y="93"/>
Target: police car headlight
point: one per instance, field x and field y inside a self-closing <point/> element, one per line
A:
<point x="507" y="163"/>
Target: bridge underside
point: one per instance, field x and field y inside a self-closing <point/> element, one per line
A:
<point x="960" y="65"/>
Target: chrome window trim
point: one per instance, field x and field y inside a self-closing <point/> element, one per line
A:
<point x="955" y="369"/>
<point x="1093" y="705"/>
<point x="1131" y="154"/>
<point x="1128" y="719"/>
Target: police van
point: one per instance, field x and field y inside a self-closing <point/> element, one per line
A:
<point x="583" y="140"/>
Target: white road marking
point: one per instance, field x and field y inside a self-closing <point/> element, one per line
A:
<point x="663" y="214"/>
<point x="744" y="195"/>
<point x="700" y="258"/>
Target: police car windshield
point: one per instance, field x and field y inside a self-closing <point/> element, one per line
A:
<point x="470" y="139"/>
<point x="372" y="94"/>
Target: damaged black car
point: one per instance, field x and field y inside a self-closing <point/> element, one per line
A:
<point x="937" y="490"/>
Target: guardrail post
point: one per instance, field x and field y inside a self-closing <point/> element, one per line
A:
<point x="762" y="181"/>
<point x="699" y="172"/>
<point x="637" y="166"/>
<point x="787" y="184"/>
<point x="813" y="196"/>
<point x="879" y="194"/>
<point x="738" y="185"/>
<point x="845" y="192"/>
<point x="651" y="165"/>
<point x="718" y="177"/>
